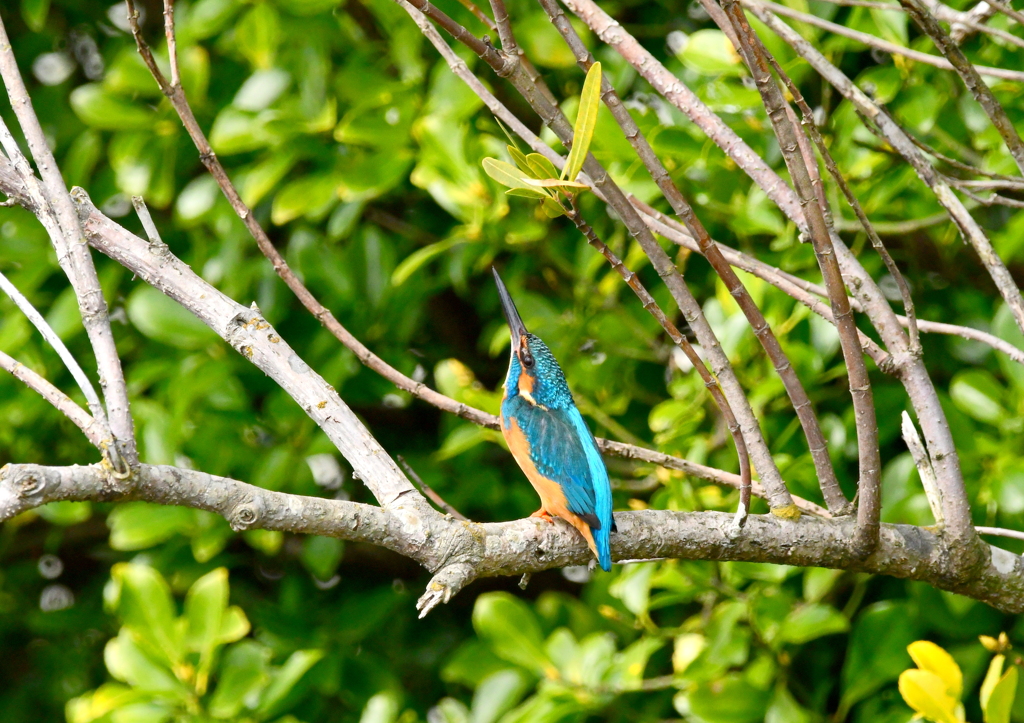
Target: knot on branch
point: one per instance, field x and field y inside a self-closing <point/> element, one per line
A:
<point x="245" y="515"/>
<point x="29" y="481"/>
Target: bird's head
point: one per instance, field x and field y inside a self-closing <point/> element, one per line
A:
<point x="533" y="372"/>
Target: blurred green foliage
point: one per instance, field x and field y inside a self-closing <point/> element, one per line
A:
<point x="361" y="154"/>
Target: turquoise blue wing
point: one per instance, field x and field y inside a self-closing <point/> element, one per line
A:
<point x="563" y="450"/>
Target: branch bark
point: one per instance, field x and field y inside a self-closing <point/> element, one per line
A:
<point x="461" y="552"/>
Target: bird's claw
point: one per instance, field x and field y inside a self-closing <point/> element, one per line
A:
<point x="543" y="514"/>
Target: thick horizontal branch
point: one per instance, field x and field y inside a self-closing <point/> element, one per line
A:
<point x="460" y="552"/>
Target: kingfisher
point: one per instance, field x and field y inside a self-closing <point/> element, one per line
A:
<point x="549" y="439"/>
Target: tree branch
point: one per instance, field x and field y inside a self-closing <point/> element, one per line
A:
<point x="61" y="401"/>
<point x="869" y="486"/>
<point x="460" y="552"/>
<point x="72" y="254"/>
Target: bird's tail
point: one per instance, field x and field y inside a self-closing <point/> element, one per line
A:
<point x="602" y="541"/>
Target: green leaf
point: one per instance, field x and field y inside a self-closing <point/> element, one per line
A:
<point x="34" y="13"/>
<point x="977" y="394"/>
<point x="258" y="34"/>
<point x="162" y="319"/>
<point x="511" y="630"/>
<point x="284" y="679"/>
<point x="812" y="621"/>
<point x="497" y="694"/>
<point x="97" y="107"/>
<point x="129" y="663"/>
<point x="877" y="652"/>
<point x="412" y="263"/>
<point x="311" y="195"/>
<point x="244" y="673"/>
<point x="321" y="555"/>
<point x="146" y="607"/>
<point x="533" y="193"/>
<point x="381" y="708"/>
<point x="552" y="208"/>
<point x="729" y="700"/>
<point x="65" y="513"/>
<point x="541" y="166"/>
<point x="205" y="605"/>
<point x="586" y="122"/>
<point x="709" y="52"/>
<point x="520" y="158"/>
<point x="566" y="186"/>
<point x="992" y="677"/>
<point x="504" y="173"/>
<point x="138" y="525"/>
<point x="101" y="702"/>
<point x="999" y="703"/>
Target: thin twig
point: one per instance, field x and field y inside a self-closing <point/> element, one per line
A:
<point x="884" y="45"/>
<point x="833" y="494"/>
<point x="869" y="488"/>
<point x="47" y="332"/>
<point x="152" y="233"/>
<point x="501" y="19"/>
<point x="651" y="306"/>
<point x="428" y="491"/>
<point x="61" y="401"/>
<point x="809" y="125"/>
<point x="1000" y="532"/>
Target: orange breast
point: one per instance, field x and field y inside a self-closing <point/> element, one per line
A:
<point x="552" y="498"/>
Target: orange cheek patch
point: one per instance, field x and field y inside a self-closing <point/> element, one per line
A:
<point x="526" y="382"/>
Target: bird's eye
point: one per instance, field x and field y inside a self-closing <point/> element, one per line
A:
<point x="527" y="358"/>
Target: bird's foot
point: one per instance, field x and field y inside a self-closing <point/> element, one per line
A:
<point x="544" y="515"/>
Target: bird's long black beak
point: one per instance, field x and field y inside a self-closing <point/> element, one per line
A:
<point x="515" y="323"/>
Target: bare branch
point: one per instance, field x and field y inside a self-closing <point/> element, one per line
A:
<point x="72" y="253"/>
<point x="884" y="45"/>
<point x="932" y="490"/>
<point x="915" y="378"/>
<point x="869" y="488"/>
<point x="460" y="552"/>
<point x="61" y="401"/>
<point x="251" y="336"/>
<point x="809" y="125"/>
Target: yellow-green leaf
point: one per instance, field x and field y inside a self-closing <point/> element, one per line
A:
<point x="995" y="672"/>
<point x="555" y="183"/>
<point x="586" y="122"/>
<point x="527" y="193"/>
<point x="999" y="701"/>
<point x="926" y="693"/>
<point x="541" y="166"/>
<point x="504" y="173"/>
<point x="934" y="659"/>
<point x="521" y="160"/>
<point x="553" y="209"/>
